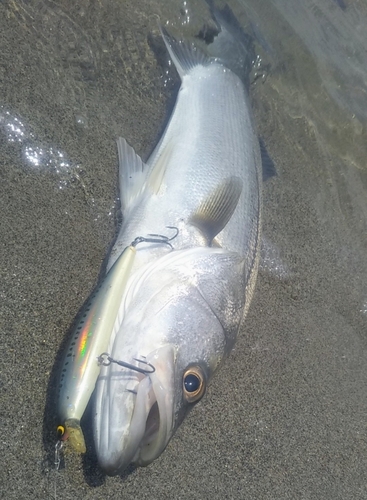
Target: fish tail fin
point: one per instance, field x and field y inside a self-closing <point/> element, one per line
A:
<point x="184" y="55"/>
<point x="228" y="44"/>
<point x="232" y="46"/>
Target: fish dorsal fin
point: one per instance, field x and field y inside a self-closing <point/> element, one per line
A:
<point x="216" y="210"/>
<point x="132" y="173"/>
<point x="184" y="55"/>
<point x="268" y="167"/>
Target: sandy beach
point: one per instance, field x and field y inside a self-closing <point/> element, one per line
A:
<point x="285" y="418"/>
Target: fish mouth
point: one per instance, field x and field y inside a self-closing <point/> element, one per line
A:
<point x="134" y="413"/>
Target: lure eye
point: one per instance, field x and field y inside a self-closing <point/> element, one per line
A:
<point x="193" y="384"/>
<point x="60" y="430"/>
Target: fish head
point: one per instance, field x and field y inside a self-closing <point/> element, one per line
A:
<point x="182" y="321"/>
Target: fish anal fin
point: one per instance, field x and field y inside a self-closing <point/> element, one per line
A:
<point x="216" y="210"/>
<point x="132" y="173"/>
<point x="136" y="177"/>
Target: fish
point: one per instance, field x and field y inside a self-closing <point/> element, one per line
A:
<point x="183" y="303"/>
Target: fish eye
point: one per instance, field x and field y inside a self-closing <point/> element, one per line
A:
<point x="193" y="384"/>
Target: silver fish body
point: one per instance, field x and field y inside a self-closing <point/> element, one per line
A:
<point x="182" y="308"/>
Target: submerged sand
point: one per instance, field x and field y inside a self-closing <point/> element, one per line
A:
<point x="286" y="416"/>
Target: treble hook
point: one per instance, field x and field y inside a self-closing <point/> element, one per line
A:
<point x="105" y="360"/>
<point x="58" y="448"/>
<point x="156" y="238"/>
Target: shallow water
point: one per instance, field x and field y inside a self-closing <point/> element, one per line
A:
<point x="286" y="416"/>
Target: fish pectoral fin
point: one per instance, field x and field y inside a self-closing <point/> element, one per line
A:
<point x="216" y="210"/>
<point x="132" y="173"/>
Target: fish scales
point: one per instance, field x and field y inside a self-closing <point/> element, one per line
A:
<point x="209" y="138"/>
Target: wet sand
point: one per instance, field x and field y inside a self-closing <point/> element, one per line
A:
<point x="286" y="415"/>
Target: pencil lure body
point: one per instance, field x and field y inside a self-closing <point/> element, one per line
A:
<point x="182" y="309"/>
<point x="89" y="339"/>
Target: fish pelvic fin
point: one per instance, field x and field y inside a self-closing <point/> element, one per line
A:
<point x="216" y="210"/>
